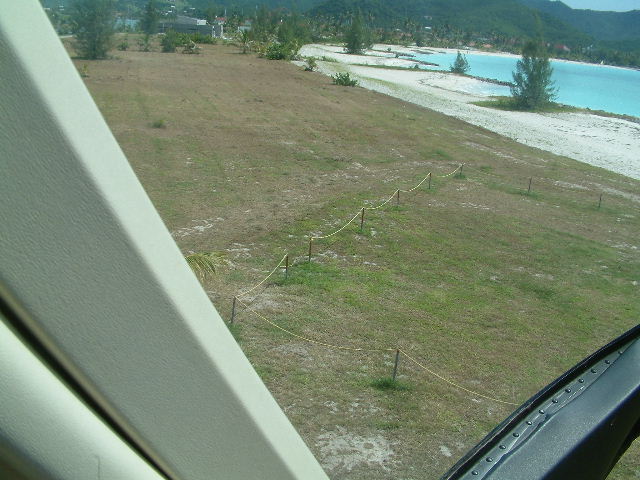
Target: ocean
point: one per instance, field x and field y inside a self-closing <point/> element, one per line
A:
<point x="598" y="87"/>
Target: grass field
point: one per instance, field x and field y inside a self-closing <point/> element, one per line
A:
<point x="497" y="289"/>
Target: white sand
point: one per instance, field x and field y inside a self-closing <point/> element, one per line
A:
<point x="609" y="143"/>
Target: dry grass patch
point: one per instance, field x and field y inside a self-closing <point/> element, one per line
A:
<point x="494" y="287"/>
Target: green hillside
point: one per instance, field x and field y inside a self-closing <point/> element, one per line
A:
<point x="505" y="18"/>
<point x="616" y="27"/>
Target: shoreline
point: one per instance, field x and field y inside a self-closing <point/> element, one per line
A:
<point x="473" y="51"/>
<point x="605" y="142"/>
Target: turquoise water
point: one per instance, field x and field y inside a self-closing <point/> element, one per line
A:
<point x="597" y="87"/>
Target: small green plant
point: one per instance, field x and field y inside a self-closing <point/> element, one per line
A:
<point x="158" y="123"/>
<point x="244" y="39"/>
<point x="311" y="65"/>
<point x="124" y="44"/>
<point x="344" y="79"/>
<point x="84" y="71"/>
<point x="169" y="41"/>
<point x="324" y="58"/>
<point x="191" y="48"/>
<point x="145" y="43"/>
<point x="200" y="38"/>
<point x="388" y="383"/>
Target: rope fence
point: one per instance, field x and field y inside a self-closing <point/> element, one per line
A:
<point x="378" y="350"/>
<point x="337" y="231"/>
<point x="309" y="340"/>
<point x="265" y="279"/>
<point x="386" y="202"/>
<point x="383" y="203"/>
<point x="530" y="184"/>
<point x="418" y="185"/>
<point x="399" y="351"/>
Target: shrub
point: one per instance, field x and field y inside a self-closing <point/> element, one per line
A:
<point x="124" y="44"/>
<point x="145" y="43"/>
<point x="344" y="79"/>
<point x="311" y="65"/>
<point x="278" y="51"/>
<point x="275" y="51"/>
<point x="200" y="38"/>
<point x="169" y="41"/>
<point x="191" y="47"/>
<point x="158" y="123"/>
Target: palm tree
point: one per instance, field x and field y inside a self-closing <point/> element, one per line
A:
<point x="245" y="40"/>
<point x="204" y="264"/>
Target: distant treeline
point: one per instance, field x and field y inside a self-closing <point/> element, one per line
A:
<point x="598" y="37"/>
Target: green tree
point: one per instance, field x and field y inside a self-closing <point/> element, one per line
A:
<point x="460" y="65"/>
<point x="149" y="20"/>
<point x="264" y="24"/>
<point x="533" y="87"/>
<point x="93" y="25"/>
<point x="357" y="38"/>
<point x="212" y="12"/>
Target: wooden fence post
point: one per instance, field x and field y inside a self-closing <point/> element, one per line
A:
<point x="310" y="242"/>
<point x="286" y="267"/>
<point x="395" y="365"/>
<point x="233" y="310"/>
<point x="362" y="219"/>
<point x="529" y="189"/>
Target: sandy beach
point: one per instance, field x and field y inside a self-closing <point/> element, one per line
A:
<point x="605" y="142"/>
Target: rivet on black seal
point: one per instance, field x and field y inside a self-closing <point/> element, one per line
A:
<point x="555" y="400"/>
<point x="516" y="434"/>
<point x="581" y="380"/>
<point x="568" y="390"/>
